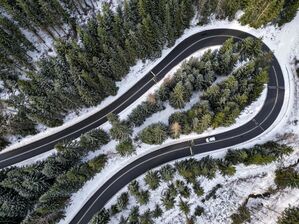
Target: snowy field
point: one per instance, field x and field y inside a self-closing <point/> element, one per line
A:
<point x="285" y="52"/>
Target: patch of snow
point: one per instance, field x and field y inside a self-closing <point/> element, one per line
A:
<point x="247" y="180"/>
<point x="40" y="157"/>
<point x="272" y="207"/>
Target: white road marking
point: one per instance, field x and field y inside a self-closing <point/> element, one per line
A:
<point x="153" y="74"/>
<point x="191" y="151"/>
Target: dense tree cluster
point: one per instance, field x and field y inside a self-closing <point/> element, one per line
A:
<point x="122" y="132"/>
<point x="42" y="14"/>
<point x="287" y="177"/>
<point x="218" y="8"/>
<point x="40" y="192"/>
<point x="191" y="169"/>
<point x="144" y="110"/>
<point x="220" y="104"/>
<point x="288" y="12"/>
<point x="289" y="216"/>
<point x="259" y="154"/>
<point x="261" y="12"/>
<point x="256" y="13"/>
<point x="85" y="69"/>
<point x="14" y="53"/>
<point x="50" y="206"/>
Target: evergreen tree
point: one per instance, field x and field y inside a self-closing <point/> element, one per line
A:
<point x="125" y="148"/>
<point x="152" y="179"/>
<point x="182" y="189"/>
<point x="225" y="58"/>
<point x="157" y="212"/>
<point x="122" y="201"/>
<point x="167" y="172"/>
<point x="200" y="126"/>
<point x="198" y="190"/>
<point x="94" y="139"/>
<point x="287" y="178"/>
<point x="120" y="130"/>
<point x="154" y="134"/>
<point x="102" y="217"/>
<point x="146" y="217"/>
<point x="178" y="97"/>
<point x="242" y="215"/>
<point x="185" y="208"/>
<point x="133" y="187"/>
<point x="168" y="201"/>
<point x="143" y="197"/>
<point x="134" y="215"/>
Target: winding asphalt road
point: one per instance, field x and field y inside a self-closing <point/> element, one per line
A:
<point x="183" y="50"/>
<point x="262" y="121"/>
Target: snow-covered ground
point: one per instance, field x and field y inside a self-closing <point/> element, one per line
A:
<point x="247" y="180"/>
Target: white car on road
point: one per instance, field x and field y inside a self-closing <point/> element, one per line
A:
<point x="210" y="139"/>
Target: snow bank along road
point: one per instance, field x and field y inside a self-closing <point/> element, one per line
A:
<point x="263" y="120"/>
